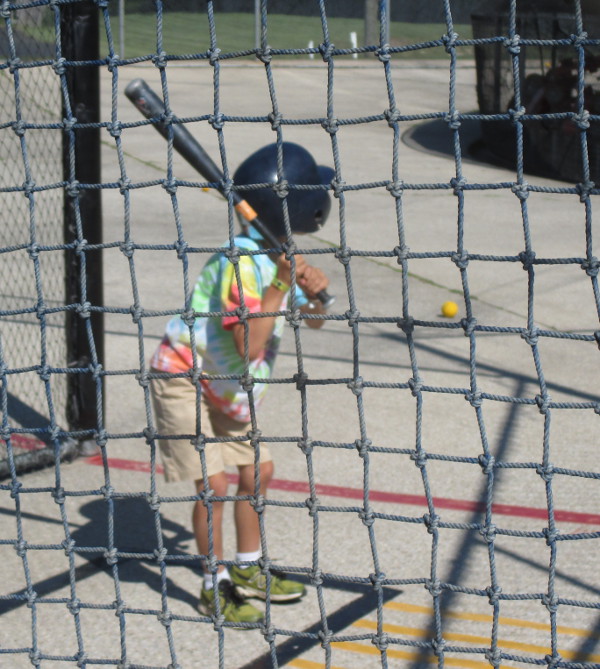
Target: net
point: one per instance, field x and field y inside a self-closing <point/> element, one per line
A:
<point x="486" y="422"/>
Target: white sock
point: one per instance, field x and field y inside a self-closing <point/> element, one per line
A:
<point x="247" y="557"/>
<point x="221" y="576"/>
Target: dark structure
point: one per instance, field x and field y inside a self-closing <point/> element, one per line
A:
<point x="548" y="75"/>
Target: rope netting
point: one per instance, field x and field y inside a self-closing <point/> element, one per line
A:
<point x="32" y="261"/>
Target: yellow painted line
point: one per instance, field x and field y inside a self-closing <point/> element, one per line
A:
<point x="481" y="640"/>
<point x="354" y="647"/>
<point x="480" y="617"/>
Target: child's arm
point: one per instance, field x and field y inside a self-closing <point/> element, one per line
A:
<point x="260" y="329"/>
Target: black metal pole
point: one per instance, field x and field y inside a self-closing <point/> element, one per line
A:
<point x="80" y="42"/>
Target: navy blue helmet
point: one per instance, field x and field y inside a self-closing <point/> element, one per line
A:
<point x="308" y="209"/>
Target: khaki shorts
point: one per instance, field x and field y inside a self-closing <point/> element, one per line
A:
<point x="174" y="402"/>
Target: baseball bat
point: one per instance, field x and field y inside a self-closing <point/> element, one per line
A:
<point x="152" y="107"/>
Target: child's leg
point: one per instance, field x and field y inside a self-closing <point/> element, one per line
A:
<point x="200" y="522"/>
<point x="246" y="518"/>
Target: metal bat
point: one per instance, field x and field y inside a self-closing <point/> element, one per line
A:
<point x="152" y="107"/>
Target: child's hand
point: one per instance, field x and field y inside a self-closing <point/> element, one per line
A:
<point x="312" y="281"/>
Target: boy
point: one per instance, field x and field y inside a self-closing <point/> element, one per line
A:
<point x="222" y="343"/>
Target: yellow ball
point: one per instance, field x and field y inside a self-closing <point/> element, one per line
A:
<point x="449" y="309"/>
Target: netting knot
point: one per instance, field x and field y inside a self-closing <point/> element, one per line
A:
<point x="458" y="185"/>
<point x="528" y="259"/>
<point x="550" y="602"/>
<point x="82" y="659"/>
<point x="531" y="336"/>
<point x="149" y="434"/>
<point x="189" y="318"/>
<point x="306" y="445"/>
<point x="115" y="128"/>
<point x="107" y="491"/>
<point x="199" y="443"/>
<point x="356" y="385"/>
<point x="268" y="633"/>
<point x="16" y="486"/>
<point x="551" y="535"/>
<point x="58" y="495"/>
<point x="461" y="260"/>
<point x="584" y="189"/>
<point x="582" y="120"/>
<point x="293" y="318"/>
<point x="553" y="660"/>
<point x="326" y="51"/>
<point x="487" y="463"/>
<point x="366" y="517"/>
<point x="546" y="472"/>
<point x="330" y="125"/>
<point x="5" y="11"/>
<point x="395" y="188"/>
<point x="21" y="548"/>
<point x="377" y="580"/>
<point x="160" y="554"/>
<point x="111" y="557"/>
<point x="312" y="504"/>
<point x="494" y="657"/>
<point x="72" y="189"/>
<point x="407" y="325"/>
<point x="247" y="383"/>
<point x="35" y="657"/>
<point x="337" y="186"/>
<point x="281" y="188"/>
<point x="517" y="114"/>
<point x="392" y="116"/>
<point x="127" y="248"/>
<point x="124" y="185"/>
<point x="153" y="502"/>
<point x="33" y="250"/>
<point x="217" y="121"/>
<point x="300" y="379"/>
<point x="353" y="317"/>
<point x="474" y="399"/>
<point x="383" y="53"/>
<point x="69" y="123"/>
<point x="275" y="119"/>
<point x="431" y="522"/>
<point x="363" y="446"/>
<point x="136" y="313"/>
<point x="521" y="190"/>
<point x="160" y="59"/>
<point x="543" y="403"/>
<point x="454" y="123"/>
<point x="591" y="266"/>
<point x="164" y="618"/>
<point x="290" y="249"/>
<point x="513" y="45"/>
<point x="488" y="532"/>
<point x="213" y="55"/>
<point x="579" y="40"/>
<point x="170" y="185"/>
<point x="325" y="638"/>
<point x="415" y="386"/>
<point x="343" y="255"/>
<point x="449" y="41"/>
<point x="381" y="642"/>
<point x="316" y="577"/>
<point x="468" y="325"/>
<point x="419" y="458"/>
<point x="438" y="646"/>
<point x="264" y="55"/>
<point x="113" y="63"/>
<point x="19" y="128"/>
<point x="83" y="310"/>
<point x="74" y="605"/>
<point x="14" y="64"/>
<point x="254" y="436"/>
<point x="258" y="503"/>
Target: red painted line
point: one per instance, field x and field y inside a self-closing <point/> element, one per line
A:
<point x="25" y="443"/>
<point x="382" y="496"/>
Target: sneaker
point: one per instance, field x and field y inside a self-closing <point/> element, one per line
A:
<point x="251" y="582"/>
<point x="233" y="608"/>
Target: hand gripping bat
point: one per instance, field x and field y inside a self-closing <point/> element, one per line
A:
<point x="152" y="107"/>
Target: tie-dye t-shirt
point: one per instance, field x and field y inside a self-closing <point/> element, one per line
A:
<point x="216" y="290"/>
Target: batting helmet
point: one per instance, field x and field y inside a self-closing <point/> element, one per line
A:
<point x="308" y="209"/>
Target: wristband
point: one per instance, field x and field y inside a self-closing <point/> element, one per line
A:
<point x="280" y="285"/>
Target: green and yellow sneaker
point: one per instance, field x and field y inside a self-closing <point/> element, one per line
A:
<point x="233" y="608"/>
<point x="251" y="582"/>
